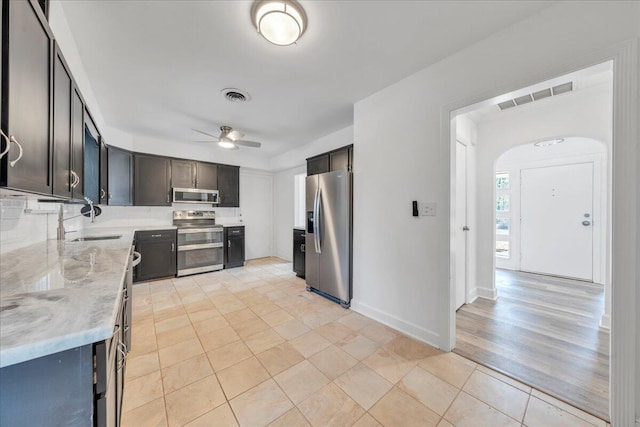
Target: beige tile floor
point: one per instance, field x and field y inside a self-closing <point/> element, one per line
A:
<point x="250" y="347"/>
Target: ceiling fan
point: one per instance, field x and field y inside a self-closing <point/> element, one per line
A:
<point x="229" y="138"/>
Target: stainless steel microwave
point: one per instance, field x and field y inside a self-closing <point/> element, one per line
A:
<point x="195" y="195"/>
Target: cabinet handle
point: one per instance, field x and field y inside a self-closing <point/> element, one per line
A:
<point x="302" y="247"/>
<point x="13" y="162"/>
<point x="156" y="235"/>
<point x="168" y="198"/>
<point x="8" y="147"/>
<point x="137" y="258"/>
<point x="76" y="179"/>
<point x="173" y="247"/>
<point x="102" y="193"/>
<point x="110" y="195"/>
<point x="228" y="243"/>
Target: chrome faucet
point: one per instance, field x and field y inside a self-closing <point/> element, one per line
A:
<point x="61" y="232"/>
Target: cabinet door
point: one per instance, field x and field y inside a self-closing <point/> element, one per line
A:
<point x="104" y="173"/>
<point x="27" y="55"/>
<point x="298" y="252"/>
<point x="91" y="164"/>
<point x="183" y="174"/>
<point x="120" y="166"/>
<point x="229" y="186"/>
<point x="77" y="144"/>
<point x="207" y="176"/>
<point x="152" y="181"/>
<point x="62" y="86"/>
<point x="158" y="259"/>
<point x="319" y="164"/>
<point x="340" y="160"/>
<point x="234" y="247"/>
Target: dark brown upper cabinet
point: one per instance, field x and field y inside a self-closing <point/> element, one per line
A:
<point x="120" y="185"/>
<point x="207" y="176"/>
<point x="318" y="164"/>
<point x="63" y="179"/>
<point x="183" y="173"/>
<point x="77" y="144"/>
<point x="27" y="51"/>
<point x="91" y="160"/>
<point x="152" y="180"/>
<point x="229" y="186"/>
<point x="104" y="173"/>
<point x="340" y="159"/>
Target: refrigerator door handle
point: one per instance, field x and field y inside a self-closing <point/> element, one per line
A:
<point x="316" y="221"/>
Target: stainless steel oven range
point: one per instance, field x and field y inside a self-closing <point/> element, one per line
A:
<point x="200" y="247"/>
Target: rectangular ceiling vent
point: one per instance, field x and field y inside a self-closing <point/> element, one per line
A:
<point x="536" y="96"/>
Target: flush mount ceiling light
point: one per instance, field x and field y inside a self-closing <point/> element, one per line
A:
<point x="281" y="22"/>
<point x="549" y="142"/>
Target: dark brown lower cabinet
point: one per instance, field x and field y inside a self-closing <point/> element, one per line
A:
<point x="234" y="247"/>
<point x="158" y="251"/>
<point x="299" y="237"/>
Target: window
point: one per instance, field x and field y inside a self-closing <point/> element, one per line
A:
<point x="502" y="248"/>
<point x="502" y="181"/>
<point x="299" y="187"/>
<point x="502" y="226"/>
<point x="503" y="216"/>
<point x="502" y="203"/>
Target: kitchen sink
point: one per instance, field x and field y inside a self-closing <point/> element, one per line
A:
<point x="92" y="238"/>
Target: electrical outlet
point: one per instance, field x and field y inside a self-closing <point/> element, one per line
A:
<point x="427" y="208"/>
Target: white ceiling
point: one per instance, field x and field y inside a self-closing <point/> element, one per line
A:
<point x="157" y="68"/>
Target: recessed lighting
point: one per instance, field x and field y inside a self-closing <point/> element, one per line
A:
<point x="549" y="142"/>
<point x="281" y="22"/>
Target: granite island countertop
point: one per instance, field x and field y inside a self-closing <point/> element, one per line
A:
<point x="54" y="297"/>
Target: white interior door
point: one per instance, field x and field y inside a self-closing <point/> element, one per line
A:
<point x="557" y="220"/>
<point x="461" y="223"/>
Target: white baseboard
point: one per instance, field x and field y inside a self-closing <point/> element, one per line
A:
<point x="473" y="295"/>
<point x="488" y="293"/>
<point x="605" y="321"/>
<point x="407" y="328"/>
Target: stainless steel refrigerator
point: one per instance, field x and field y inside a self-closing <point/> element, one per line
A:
<point x="328" y="238"/>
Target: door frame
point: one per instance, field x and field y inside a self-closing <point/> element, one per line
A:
<point x="624" y="270"/>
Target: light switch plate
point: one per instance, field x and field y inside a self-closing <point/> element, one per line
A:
<point x="427" y="208"/>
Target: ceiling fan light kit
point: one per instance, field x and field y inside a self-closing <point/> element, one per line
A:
<point x="229" y="138"/>
<point x="281" y="22"/>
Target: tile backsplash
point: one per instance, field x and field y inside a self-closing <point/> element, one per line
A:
<point x="25" y="221"/>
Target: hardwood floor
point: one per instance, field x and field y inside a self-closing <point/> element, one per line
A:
<point x="543" y="331"/>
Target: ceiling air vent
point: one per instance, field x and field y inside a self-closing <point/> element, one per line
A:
<point x="507" y="104"/>
<point x="541" y="94"/>
<point x="235" y="95"/>
<point x="536" y="96"/>
<point x="564" y="88"/>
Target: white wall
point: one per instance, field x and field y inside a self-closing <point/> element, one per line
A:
<point x="404" y="279"/>
<point x="283" y="204"/>
<point x="297" y="156"/>
<point x="586" y="113"/>
<point x="256" y="209"/>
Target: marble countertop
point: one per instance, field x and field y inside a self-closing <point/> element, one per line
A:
<point x="55" y="297"/>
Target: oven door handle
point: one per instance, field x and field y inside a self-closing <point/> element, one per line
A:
<point x="200" y="246"/>
<point x="200" y="230"/>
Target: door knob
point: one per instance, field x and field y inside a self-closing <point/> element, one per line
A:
<point x="586" y="223"/>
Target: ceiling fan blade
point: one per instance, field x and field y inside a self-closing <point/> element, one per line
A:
<point x="206" y="133"/>
<point x="209" y="141"/>
<point x="252" y="144"/>
<point x="235" y="135"/>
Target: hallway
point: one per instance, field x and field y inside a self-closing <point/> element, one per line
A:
<point x="543" y="331"/>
